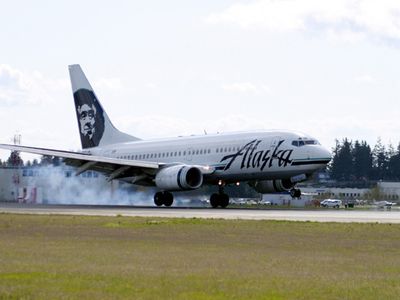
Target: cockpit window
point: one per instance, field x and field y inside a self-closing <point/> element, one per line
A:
<point x="302" y="142"/>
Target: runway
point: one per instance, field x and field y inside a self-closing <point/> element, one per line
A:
<point x="315" y="215"/>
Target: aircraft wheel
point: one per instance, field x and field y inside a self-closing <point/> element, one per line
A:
<point x="295" y="193"/>
<point x="168" y="199"/>
<point x="214" y="200"/>
<point x="224" y="200"/>
<point x="159" y="199"/>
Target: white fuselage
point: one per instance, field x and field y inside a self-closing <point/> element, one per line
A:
<point x="234" y="157"/>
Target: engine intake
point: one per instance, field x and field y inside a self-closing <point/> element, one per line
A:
<point x="273" y="186"/>
<point x="180" y="177"/>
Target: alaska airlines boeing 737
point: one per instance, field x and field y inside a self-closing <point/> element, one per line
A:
<point x="270" y="161"/>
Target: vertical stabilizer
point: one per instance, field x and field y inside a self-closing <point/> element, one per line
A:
<point x="95" y="128"/>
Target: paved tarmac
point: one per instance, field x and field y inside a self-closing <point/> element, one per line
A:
<point x="316" y="215"/>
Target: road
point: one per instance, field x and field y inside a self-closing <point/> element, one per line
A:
<point x="316" y="215"/>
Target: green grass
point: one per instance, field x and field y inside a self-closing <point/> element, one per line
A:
<point x="52" y="257"/>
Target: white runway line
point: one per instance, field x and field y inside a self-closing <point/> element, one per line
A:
<point x="343" y="216"/>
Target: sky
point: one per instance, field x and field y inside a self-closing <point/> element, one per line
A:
<point x="168" y="68"/>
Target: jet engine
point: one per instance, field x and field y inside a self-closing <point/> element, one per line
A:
<point x="179" y="177"/>
<point x="273" y="186"/>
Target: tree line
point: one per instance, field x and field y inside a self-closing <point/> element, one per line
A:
<point x="359" y="162"/>
<point x="15" y="160"/>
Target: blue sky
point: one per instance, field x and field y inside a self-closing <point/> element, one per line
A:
<point x="167" y="68"/>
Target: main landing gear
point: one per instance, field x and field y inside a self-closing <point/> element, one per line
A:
<point x="163" y="198"/>
<point x="219" y="199"/>
<point x="295" y="193"/>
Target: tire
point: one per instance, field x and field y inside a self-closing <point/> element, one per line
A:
<point x="214" y="200"/>
<point x="224" y="200"/>
<point x="159" y="199"/>
<point x="168" y="199"/>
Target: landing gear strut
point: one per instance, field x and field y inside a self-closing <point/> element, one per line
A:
<point x="219" y="199"/>
<point x="295" y="193"/>
<point x="163" y="198"/>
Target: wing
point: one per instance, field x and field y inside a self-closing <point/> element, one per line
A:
<point x="114" y="168"/>
<point x="134" y="171"/>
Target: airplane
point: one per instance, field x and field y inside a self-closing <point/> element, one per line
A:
<point x="269" y="161"/>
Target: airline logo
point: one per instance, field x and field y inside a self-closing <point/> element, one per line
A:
<point x="90" y="118"/>
<point x="250" y="156"/>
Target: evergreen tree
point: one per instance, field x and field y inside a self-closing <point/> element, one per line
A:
<point x="394" y="165"/>
<point x="46" y="160"/>
<point x="342" y="162"/>
<point x="15" y="159"/>
<point x="380" y="161"/>
<point x="362" y="160"/>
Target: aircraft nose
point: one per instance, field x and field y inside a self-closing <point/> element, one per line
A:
<point x="325" y="153"/>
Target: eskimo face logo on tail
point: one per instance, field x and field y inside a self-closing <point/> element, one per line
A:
<point x="87" y="121"/>
<point x="90" y="118"/>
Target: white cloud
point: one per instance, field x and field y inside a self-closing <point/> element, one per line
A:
<point x="365" y="79"/>
<point x="246" y="87"/>
<point x="151" y="86"/>
<point x="19" y="87"/>
<point x="348" y="19"/>
<point x="108" y="83"/>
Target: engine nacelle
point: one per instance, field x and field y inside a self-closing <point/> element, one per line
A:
<point x="180" y="177"/>
<point x="273" y="186"/>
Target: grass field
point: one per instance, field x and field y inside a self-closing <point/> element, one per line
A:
<point x="52" y="257"/>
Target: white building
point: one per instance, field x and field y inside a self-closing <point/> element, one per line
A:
<point x="338" y="193"/>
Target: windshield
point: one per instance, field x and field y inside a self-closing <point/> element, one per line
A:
<point x="301" y="142"/>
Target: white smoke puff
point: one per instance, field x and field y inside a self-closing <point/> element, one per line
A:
<point x="61" y="186"/>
